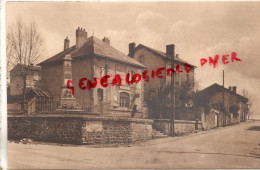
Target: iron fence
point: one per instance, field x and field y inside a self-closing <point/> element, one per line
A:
<point x="49" y="105"/>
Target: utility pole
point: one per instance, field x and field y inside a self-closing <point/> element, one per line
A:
<point x="223" y="96"/>
<point x="172" y="95"/>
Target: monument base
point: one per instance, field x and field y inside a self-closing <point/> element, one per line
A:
<point x="68" y="105"/>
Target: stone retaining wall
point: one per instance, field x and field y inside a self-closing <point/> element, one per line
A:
<point x="180" y="126"/>
<point x="79" y="129"/>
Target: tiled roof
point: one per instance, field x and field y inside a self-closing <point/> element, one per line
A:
<point x="41" y="93"/>
<point x="94" y="46"/>
<point x="206" y="93"/>
<point x="162" y="54"/>
<point x="30" y="93"/>
<point x="58" y="57"/>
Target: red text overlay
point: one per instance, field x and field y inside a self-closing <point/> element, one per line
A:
<point x="225" y="60"/>
<point x="85" y="83"/>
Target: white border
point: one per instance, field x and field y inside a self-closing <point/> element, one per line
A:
<point x="3" y="87"/>
<point x="3" y="93"/>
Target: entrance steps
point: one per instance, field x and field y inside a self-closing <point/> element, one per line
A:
<point x="158" y="134"/>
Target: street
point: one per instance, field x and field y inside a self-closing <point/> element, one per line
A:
<point x="235" y="146"/>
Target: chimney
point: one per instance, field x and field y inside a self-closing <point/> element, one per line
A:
<point x="131" y="49"/>
<point x="170" y="50"/>
<point x="66" y="43"/>
<point x="81" y="37"/>
<point x="235" y="89"/>
<point x="106" y="40"/>
<point x="230" y="88"/>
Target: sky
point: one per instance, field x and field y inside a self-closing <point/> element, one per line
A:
<point x="198" y="30"/>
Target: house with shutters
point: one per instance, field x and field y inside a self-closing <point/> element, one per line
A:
<point x="218" y="106"/>
<point x="83" y="65"/>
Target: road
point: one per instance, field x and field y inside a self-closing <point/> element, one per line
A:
<point x="235" y="146"/>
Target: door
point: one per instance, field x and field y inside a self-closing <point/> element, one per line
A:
<point x="216" y="120"/>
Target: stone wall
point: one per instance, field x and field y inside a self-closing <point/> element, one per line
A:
<point x="78" y="129"/>
<point x="180" y="127"/>
<point x="47" y="129"/>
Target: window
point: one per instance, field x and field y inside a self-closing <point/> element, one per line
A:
<point x="141" y="59"/>
<point x="35" y="76"/>
<point x="131" y="76"/>
<point x="100" y="94"/>
<point x="187" y="77"/>
<point x="124" y="100"/>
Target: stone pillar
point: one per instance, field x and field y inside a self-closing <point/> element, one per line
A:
<point x="67" y="100"/>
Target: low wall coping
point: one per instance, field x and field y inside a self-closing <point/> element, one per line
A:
<point x="84" y="117"/>
<point x="177" y="121"/>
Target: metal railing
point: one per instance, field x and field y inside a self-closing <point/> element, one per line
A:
<point x="49" y="105"/>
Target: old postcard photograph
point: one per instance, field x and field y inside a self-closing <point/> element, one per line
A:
<point x="132" y="85"/>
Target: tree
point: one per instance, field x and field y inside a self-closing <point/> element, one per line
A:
<point x="250" y="102"/>
<point x="160" y="103"/>
<point x="25" y="47"/>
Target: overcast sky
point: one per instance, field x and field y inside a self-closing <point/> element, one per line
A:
<point x="198" y="30"/>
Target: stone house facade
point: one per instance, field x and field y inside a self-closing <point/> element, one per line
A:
<point x="33" y="77"/>
<point x="155" y="59"/>
<point x="85" y="64"/>
<point x="215" y="111"/>
<point x="34" y="95"/>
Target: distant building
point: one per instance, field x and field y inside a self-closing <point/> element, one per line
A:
<point x="34" y="95"/>
<point x="17" y="74"/>
<point x="219" y="106"/>
<point x="93" y="58"/>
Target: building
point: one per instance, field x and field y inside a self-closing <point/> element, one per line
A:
<point x="219" y="106"/>
<point x="17" y="77"/>
<point x="21" y="76"/>
<point x="86" y="63"/>
<point x="154" y="60"/>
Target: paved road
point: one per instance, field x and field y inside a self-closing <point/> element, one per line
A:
<point x="230" y="147"/>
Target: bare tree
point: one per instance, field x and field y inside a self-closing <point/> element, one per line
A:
<point x="161" y="102"/>
<point x="25" y="47"/>
<point x="250" y="102"/>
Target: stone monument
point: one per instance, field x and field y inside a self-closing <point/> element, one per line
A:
<point x="68" y="102"/>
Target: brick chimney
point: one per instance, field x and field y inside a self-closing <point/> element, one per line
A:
<point x="66" y="43"/>
<point x="106" y="40"/>
<point x="230" y="88"/>
<point x="131" y="49"/>
<point x="235" y="89"/>
<point x="170" y="50"/>
<point x="81" y="37"/>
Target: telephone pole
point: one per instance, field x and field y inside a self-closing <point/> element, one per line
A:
<point x="172" y="94"/>
<point x="223" y="96"/>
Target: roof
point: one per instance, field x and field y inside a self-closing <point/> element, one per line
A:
<point x="58" y="57"/>
<point x="206" y="93"/>
<point x="30" y="93"/>
<point x="162" y="54"/>
<point x="24" y="66"/>
<point x="94" y="47"/>
<point x="40" y="93"/>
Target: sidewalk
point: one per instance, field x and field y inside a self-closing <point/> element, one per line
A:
<point x="172" y="139"/>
